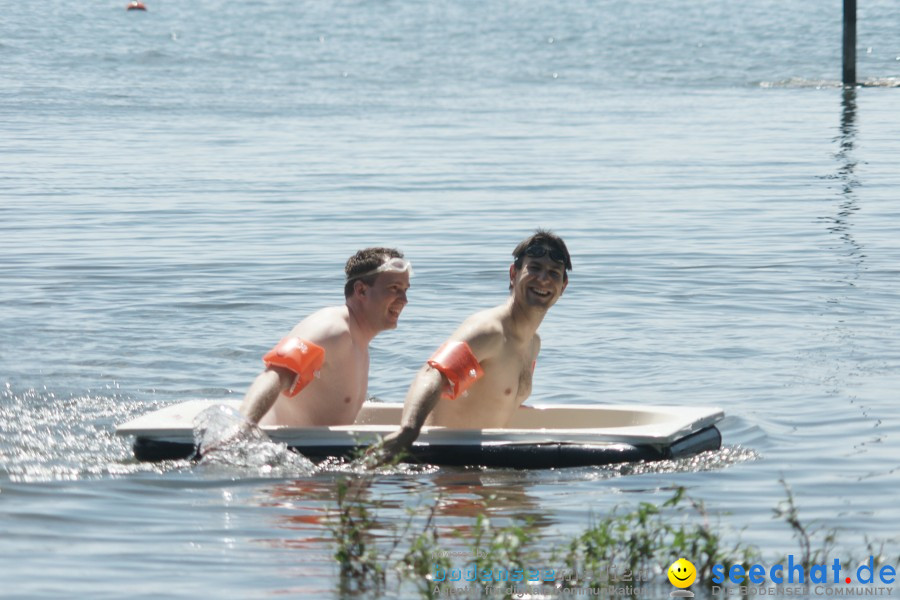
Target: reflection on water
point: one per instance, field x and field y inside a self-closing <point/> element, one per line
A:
<point x="846" y="174"/>
<point x="397" y="503"/>
<point x="472" y="492"/>
<point x="459" y="515"/>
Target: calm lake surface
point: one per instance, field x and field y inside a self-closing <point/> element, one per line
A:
<point x="178" y="187"/>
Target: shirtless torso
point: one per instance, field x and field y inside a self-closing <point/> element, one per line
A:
<point x="506" y="382"/>
<point x="337" y="393"/>
<point x="339" y="389"/>
<point x="505" y="343"/>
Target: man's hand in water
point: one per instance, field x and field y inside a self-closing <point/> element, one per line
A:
<point x="392" y="448"/>
<point x="244" y="430"/>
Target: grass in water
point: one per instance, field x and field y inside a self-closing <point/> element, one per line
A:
<point x="646" y="541"/>
<point x="361" y="567"/>
<point x="633" y="547"/>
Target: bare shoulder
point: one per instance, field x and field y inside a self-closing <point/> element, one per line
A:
<point x="328" y="327"/>
<point x="483" y="331"/>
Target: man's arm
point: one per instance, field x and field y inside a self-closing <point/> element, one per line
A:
<point x="257" y="401"/>
<point x="290" y="366"/>
<point x="264" y="391"/>
<point x="423" y="395"/>
<point x="484" y="340"/>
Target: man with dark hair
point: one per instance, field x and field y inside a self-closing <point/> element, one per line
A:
<point x="482" y="373"/>
<point x="318" y="375"/>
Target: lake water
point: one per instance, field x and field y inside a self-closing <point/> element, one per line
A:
<point x="180" y="186"/>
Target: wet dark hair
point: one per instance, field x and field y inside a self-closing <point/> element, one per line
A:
<point x="367" y="259"/>
<point x="543" y="237"/>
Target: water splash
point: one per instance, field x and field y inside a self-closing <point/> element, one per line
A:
<point x="47" y="435"/>
<point x="364" y="466"/>
<point x="227" y="440"/>
<point x="713" y="460"/>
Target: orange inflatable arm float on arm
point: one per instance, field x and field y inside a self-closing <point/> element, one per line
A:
<point x="301" y="357"/>
<point x="458" y="364"/>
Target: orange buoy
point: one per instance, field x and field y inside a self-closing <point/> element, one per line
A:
<point x="135" y="5"/>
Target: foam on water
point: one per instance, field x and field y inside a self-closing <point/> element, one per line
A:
<point x="713" y="460"/>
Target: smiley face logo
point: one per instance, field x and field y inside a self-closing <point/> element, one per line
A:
<point x="682" y="573"/>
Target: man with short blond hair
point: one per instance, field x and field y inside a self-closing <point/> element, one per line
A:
<point x="318" y="375"/>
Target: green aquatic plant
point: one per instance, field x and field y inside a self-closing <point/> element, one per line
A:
<point x="507" y="549"/>
<point x="630" y="546"/>
<point x="818" y="544"/>
<point x="625" y="546"/>
<point x="645" y="541"/>
<point x="364" y="558"/>
<point x="805" y="533"/>
<point x="356" y="553"/>
<point x="706" y="544"/>
<point x="423" y="554"/>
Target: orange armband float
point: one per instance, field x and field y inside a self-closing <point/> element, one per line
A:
<point x="458" y="364"/>
<point x="299" y="356"/>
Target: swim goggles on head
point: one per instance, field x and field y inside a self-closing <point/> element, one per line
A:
<point x="539" y="251"/>
<point x="392" y="265"/>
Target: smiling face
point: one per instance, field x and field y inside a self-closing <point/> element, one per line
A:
<point x="539" y="282"/>
<point x="385" y="299"/>
<point x="682" y="573"/>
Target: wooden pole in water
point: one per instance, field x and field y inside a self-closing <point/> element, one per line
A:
<point x="849" y="42"/>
